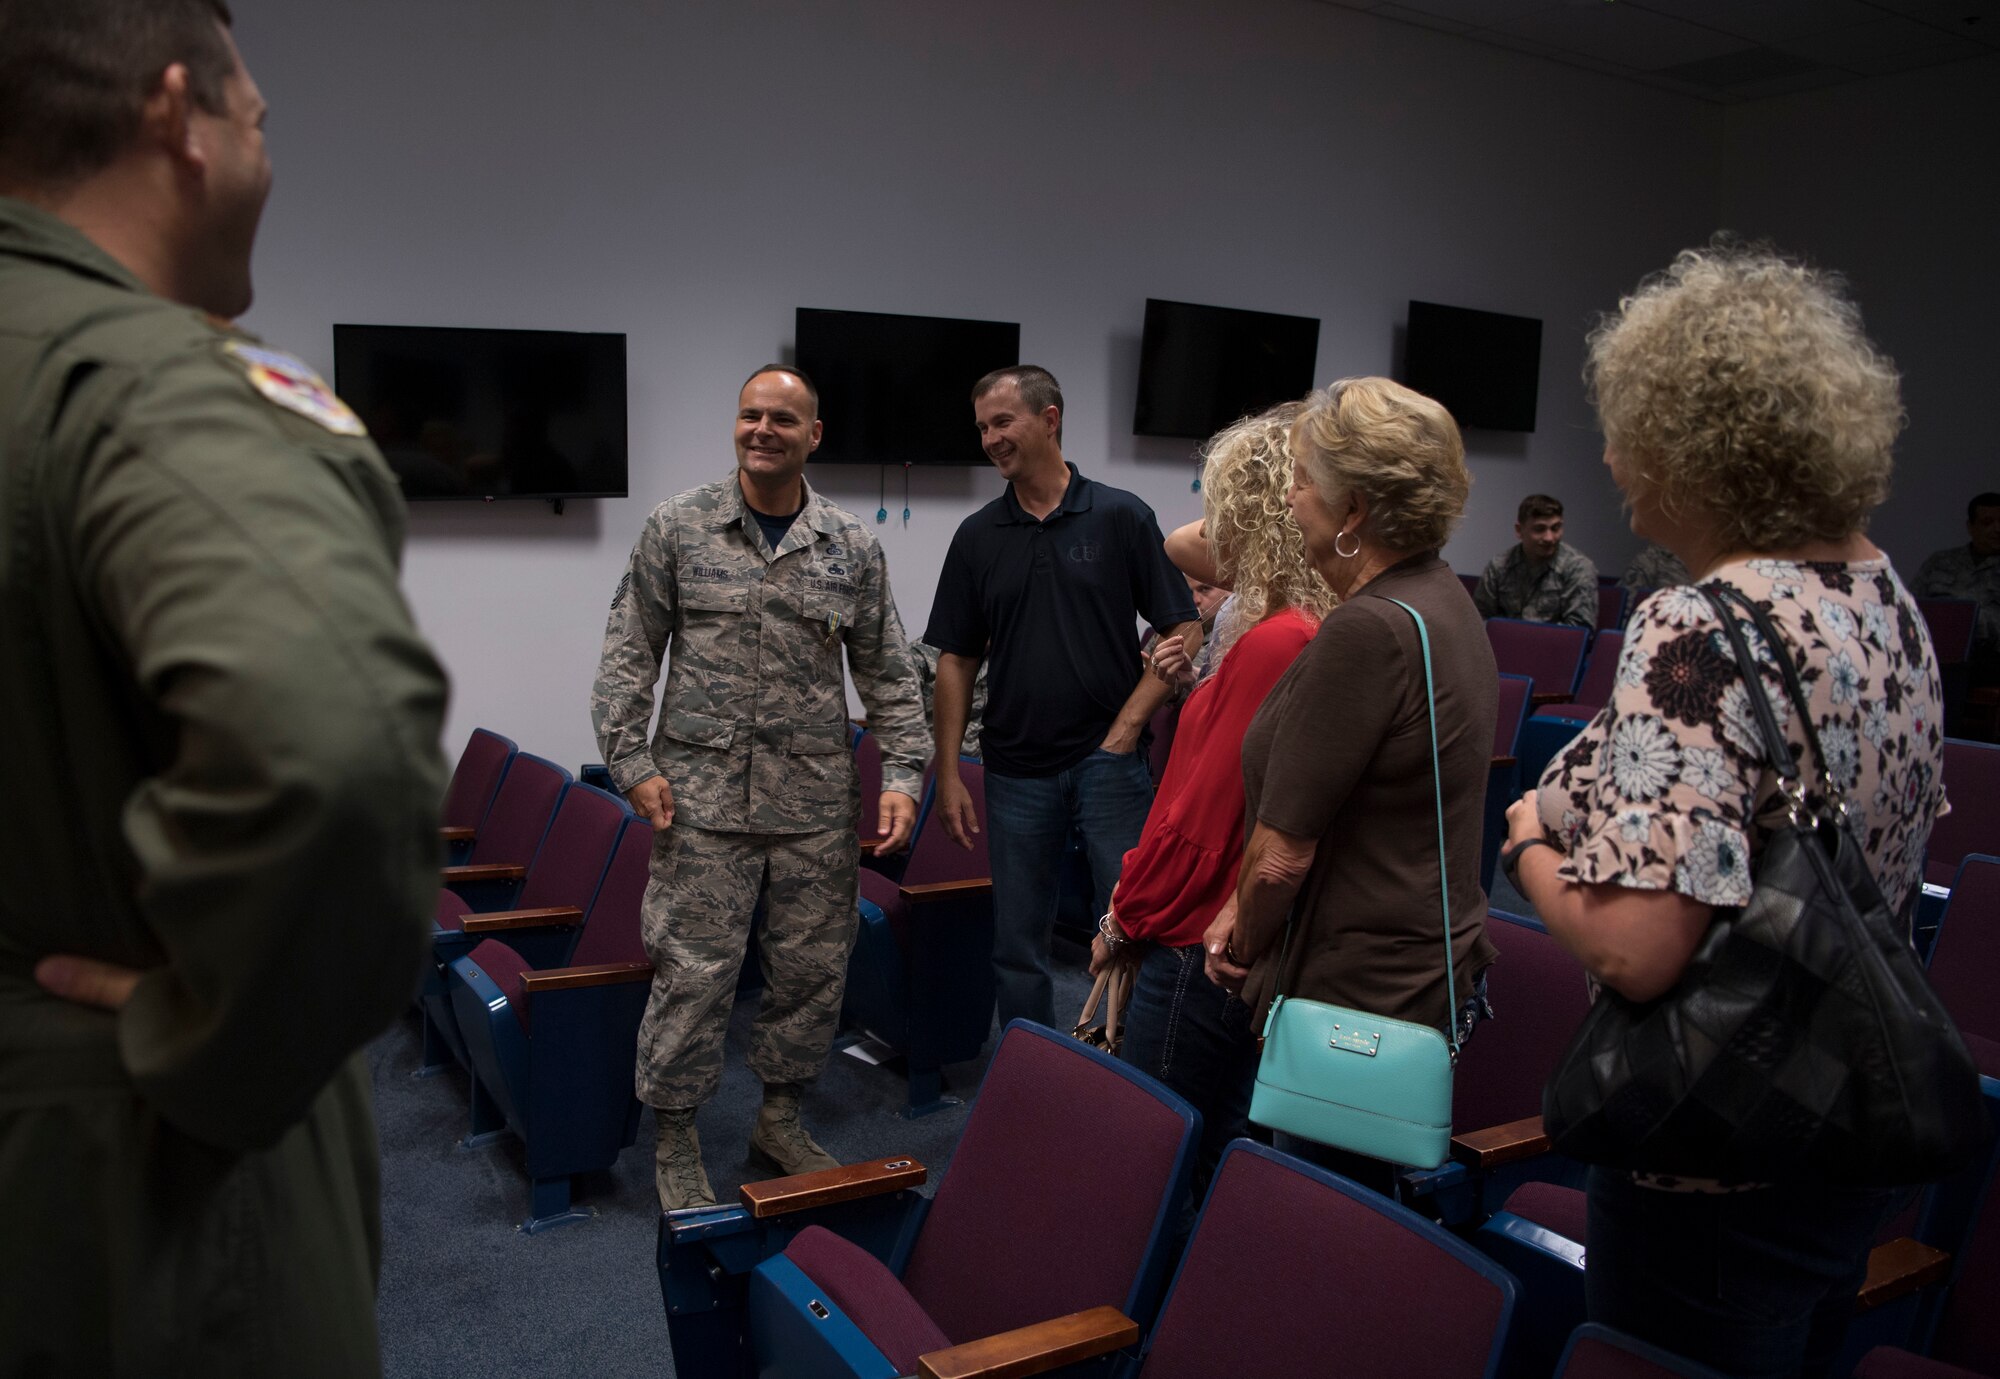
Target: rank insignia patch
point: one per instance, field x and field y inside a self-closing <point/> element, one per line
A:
<point x="290" y="384"/>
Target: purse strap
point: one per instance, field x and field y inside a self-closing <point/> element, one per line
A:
<point x="1720" y="595"/>
<point x="1444" y="878"/>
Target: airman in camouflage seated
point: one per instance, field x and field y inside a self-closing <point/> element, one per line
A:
<point x="1540" y="578"/>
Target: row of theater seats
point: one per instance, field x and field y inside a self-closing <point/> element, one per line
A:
<point x="1053" y="1244"/>
<point x="539" y="976"/>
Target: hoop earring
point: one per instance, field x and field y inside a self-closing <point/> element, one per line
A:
<point x="1346" y="555"/>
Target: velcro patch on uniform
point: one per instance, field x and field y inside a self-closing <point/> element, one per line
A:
<point x="291" y="384"/>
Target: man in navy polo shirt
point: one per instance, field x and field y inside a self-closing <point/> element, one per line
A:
<point x="1046" y="584"/>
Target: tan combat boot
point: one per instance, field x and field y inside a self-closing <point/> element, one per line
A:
<point x="779" y="1140"/>
<point x="677" y="1170"/>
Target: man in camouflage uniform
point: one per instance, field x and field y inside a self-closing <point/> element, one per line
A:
<point x="1540" y="578"/>
<point x="1972" y="571"/>
<point x="1656" y="567"/>
<point x="759" y="583"/>
<point x="222" y="765"/>
<point x="924" y="660"/>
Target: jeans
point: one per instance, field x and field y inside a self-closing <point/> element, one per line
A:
<point x="1758" y="1284"/>
<point x="1105" y="797"/>
<point x="1192" y="1035"/>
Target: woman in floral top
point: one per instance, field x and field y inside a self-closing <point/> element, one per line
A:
<point x="1748" y="422"/>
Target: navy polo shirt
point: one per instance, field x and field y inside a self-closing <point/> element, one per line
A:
<point x="1052" y="606"/>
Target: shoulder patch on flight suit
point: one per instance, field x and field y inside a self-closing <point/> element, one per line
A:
<point x="291" y="384"/>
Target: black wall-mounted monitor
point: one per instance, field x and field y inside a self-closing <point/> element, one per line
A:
<point x="489" y="413"/>
<point x="898" y="389"/>
<point x="1203" y="367"/>
<point x="1484" y="367"/>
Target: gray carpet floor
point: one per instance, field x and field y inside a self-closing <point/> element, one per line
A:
<point x="465" y="1293"/>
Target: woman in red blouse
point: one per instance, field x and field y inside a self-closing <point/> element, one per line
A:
<point x="1182" y="1028"/>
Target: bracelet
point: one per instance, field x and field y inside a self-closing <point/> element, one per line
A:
<point x="1229" y="952"/>
<point x="1107" y="931"/>
<point x="1510" y="858"/>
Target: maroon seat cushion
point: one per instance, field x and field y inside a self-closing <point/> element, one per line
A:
<point x="611" y="929"/>
<point x="1005" y="1243"/>
<point x="1288" y="1276"/>
<point x="874" y="1299"/>
<point x="1540" y="996"/>
<point x="1893" y="1362"/>
<point x="1555" y="1208"/>
<point x="1593" y="1357"/>
<point x="452" y="910"/>
<point x="508" y="971"/>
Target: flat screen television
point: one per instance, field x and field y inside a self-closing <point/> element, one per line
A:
<point x="1483" y="366"/>
<point x="489" y="413"/>
<point x="1203" y="367"/>
<point x="898" y="389"/>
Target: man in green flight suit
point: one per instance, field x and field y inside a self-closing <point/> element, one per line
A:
<point x="222" y="766"/>
<point x="760" y="584"/>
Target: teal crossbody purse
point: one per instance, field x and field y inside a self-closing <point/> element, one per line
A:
<point x="1357" y="1081"/>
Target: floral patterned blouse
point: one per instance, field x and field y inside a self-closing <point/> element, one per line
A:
<point x="1666" y="787"/>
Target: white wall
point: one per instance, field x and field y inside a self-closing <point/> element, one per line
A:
<point x="1893" y="182"/>
<point x="690" y="173"/>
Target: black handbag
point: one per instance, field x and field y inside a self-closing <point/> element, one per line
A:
<point x="1803" y="1042"/>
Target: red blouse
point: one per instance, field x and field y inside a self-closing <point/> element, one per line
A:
<point x="1184" y="868"/>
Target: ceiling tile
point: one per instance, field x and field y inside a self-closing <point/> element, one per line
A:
<point x="1514" y="42"/>
<point x="1622" y="33"/>
<point x="1429" y="21"/>
<point x="1765" y="21"/>
<point x="1486" y="14"/>
<point x="1858" y="44"/>
<point x="1909" y="59"/>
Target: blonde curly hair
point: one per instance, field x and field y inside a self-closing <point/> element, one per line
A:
<point x="1395" y="446"/>
<point x="1260" y="554"/>
<point x="1740" y="390"/>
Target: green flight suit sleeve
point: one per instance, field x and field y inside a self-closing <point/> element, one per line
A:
<point x="243" y="561"/>
<point x="878" y="657"/>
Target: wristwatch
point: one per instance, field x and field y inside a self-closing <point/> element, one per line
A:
<point x="1510" y="858"/>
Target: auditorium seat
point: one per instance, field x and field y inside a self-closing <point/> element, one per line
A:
<point x="1539" y="998"/>
<point x="551" y="1049"/>
<point x="1598" y="1352"/>
<point x="1611" y="607"/>
<point x="1550" y="656"/>
<point x="1972" y="784"/>
<point x="1951" y="623"/>
<point x="556" y="889"/>
<point x="474" y="782"/>
<point x="1965" y="960"/>
<point x="1504" y="781"/>
<point x="1293" y="1270"/>
<point x="522" y="809"/>
<point x="1058" y="1199"/>
<point x="920" y="977"/>
<point x="1553" y="727"/>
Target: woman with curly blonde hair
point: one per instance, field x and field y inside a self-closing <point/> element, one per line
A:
<point x="1180" y="1028"/>
<point x="1748" y="422"/>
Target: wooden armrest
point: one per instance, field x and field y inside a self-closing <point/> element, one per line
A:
<point x="945" y="890"/>
<point x="456" y="833"/>
<point x="1504" y="761"/>
<point x="483" y="871"/>
<point x="1548" y="697"/>
<point x="824" y="1187"/>
<point x="597" y="974"/>
<point x="1033" y="1349"/>
<point x="1897" y="1268"/>
<point x="552" y="916"/>
<point x="1501" y="1144"/>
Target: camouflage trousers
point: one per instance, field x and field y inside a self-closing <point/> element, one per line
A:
<point x="696" y="925"/>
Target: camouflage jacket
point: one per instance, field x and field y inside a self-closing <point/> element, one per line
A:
<point x="753" y="734"/>
<point x="1957" y="573"/>
<point x="1656" y="567"/>
<point x="1562" y="590"/>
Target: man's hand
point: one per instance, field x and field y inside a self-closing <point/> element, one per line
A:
<point x="894" y="824"/>
<point x="1171" y="662"/>
<point x="953" y="806"/>
<point x="653" y="800"/>
<point x="86" y="981"/>
<point x="1215" y="944"/>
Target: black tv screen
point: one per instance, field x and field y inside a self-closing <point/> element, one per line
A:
<point x="1484" y="367"/>
<point x="489" y="413"/>
<point x="898" y="389"/>
<point x="1203" y="367"/>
